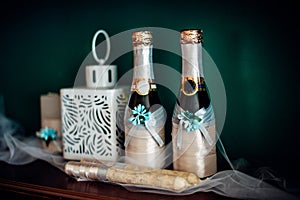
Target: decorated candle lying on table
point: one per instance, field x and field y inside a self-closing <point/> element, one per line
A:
<point x="131" y="174"/>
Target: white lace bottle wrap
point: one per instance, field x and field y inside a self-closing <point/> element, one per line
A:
<point x="144" y="147"/>
<point x="196" y="154"/>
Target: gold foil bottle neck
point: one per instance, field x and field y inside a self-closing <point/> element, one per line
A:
<point x="142" y="38"/>
<point x="191" y="36"/>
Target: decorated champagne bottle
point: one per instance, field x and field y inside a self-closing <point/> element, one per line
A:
<point x="144" y="116"/>
<point x="193" y="122"/>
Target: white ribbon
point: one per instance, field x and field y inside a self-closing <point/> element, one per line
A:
<point x="155" y="121"/>
<point x="206" y="116"/>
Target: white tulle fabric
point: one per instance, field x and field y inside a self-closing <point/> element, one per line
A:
<point x="18" y="149"/>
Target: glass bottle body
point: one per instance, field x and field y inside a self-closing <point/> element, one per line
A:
<point x="193" y="123"/>
<point x="144" y="116"/>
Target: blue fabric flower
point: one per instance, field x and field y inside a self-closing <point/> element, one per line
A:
<point x="48" y="134"/>
<point x="139" y="115"/>
<point x="191" y="122"/>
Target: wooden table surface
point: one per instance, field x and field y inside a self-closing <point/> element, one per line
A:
<point x="40" y="180"/>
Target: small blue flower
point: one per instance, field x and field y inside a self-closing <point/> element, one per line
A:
<point x="139" y="115"/>
<point x="191" y="122"/>
<point x="48" y="134"/>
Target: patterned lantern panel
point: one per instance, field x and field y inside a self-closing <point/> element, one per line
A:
<point x="92" y="123"/>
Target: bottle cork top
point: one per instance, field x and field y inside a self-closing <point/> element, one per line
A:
<point x="191" y="36"/>
<point x="142" y="38"/>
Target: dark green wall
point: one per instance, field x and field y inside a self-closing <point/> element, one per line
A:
<point x="255" y="45"/>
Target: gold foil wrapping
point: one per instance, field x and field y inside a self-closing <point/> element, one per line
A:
<point x="142" y="38"/>
<point x="191" y="36"/>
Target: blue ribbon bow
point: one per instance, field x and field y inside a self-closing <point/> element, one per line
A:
<point x="195" y="121"/>
<point x="139" y="115"/>
<point x="150" y="120"/>
<point x="47" y="134"/>
<point x="191" y="122"/>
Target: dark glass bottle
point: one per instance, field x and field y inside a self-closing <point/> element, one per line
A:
<point x="143" y="147"/>
<point x="190" y="149"/>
